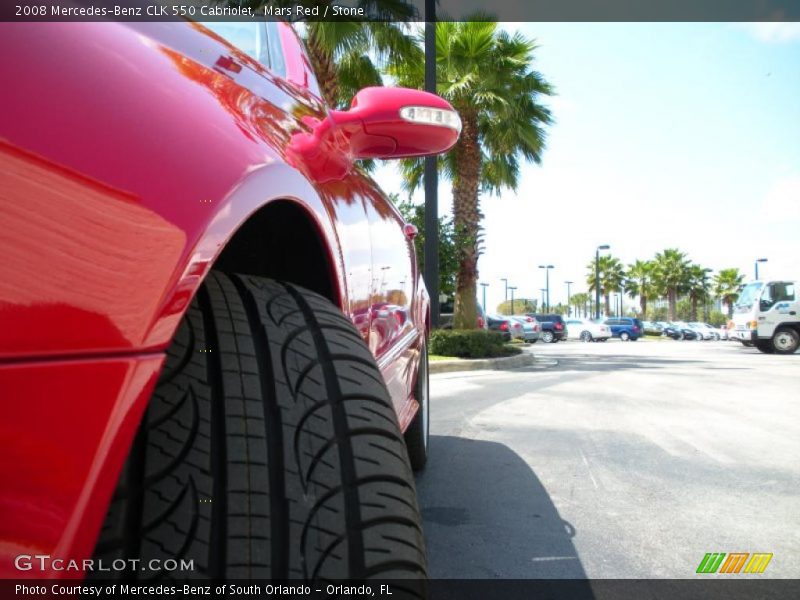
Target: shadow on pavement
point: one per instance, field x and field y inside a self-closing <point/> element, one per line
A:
<point x="487" y="516"/>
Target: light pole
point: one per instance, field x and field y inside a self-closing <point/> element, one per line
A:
<point x="705" y="295"/>
<point x="512" y="288"/>
<point x="543" y="290"/>
<point x="758" y="260"/>
<point x="597" y="279"/>
<point x="505" y="281"/>
<point x="484" y="286"/>
<point x="431" y="183"/>
<point x="569" y="305"/>
<point x="547" y="283"/>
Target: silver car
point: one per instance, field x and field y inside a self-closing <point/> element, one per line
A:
<point x="531" y="329"/>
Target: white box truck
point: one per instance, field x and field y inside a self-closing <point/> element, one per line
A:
<point x="767" y="316"/>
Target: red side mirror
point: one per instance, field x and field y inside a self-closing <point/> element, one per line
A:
<point x="381" y="123"/>
<point x="386" y="122"/>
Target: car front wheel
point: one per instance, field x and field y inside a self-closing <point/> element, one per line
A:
<point x="786" y="341"/>
<point x="270" y="449"/>
<point x="624" y="336"/>
<point x="586" y="336"/>
<point x="548" y="337"/>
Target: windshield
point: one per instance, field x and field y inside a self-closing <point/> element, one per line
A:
<point x="748" y="296"/>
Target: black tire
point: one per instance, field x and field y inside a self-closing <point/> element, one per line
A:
<point x="534" y="341"/>
<point x="786" y="340"/>
<point x="747" y="344"/>
<point x="270" y="449"/>
<point x="586" y="336"/>
<point x="624" y="336"/>
<point x="548" y="337"/>
<point x="418" y="433"/>
<point x="764" y="346"/>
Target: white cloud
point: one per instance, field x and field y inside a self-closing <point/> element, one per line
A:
<point x="773" y="32"/>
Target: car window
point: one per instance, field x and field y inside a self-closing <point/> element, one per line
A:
<point x="780" y="291"/>
<point x="248" y="37"/>
<point x="277" y="62"/>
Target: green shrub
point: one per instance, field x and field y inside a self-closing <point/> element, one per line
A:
<point x="469" y="344"/>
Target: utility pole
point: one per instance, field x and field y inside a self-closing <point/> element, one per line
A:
<point x="512" y="288"/>
<point x="431" y="176"/>
<point x="505" y="281"/>
<point x="543" y="290"/>
<point x="597" y="279"/>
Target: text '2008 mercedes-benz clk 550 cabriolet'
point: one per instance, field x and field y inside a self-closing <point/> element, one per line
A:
<point x="212" y="325"/>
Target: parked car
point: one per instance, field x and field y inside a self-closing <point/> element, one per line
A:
<point x="625" y="328"/>
<point x="553" y="327"/>
<point x="722" y="330"/>
<point x="707" y="331"/>
<point x="676" y="331"/>
<point x="191" y="255"/>
<point x="446" y="316"/>
<point x="502" y="325"/>
<point x="587" y="330"/>
<point x="531" y="328"/>
<point x="652" y="328"/>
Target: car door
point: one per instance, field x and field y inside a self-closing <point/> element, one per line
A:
<point x="614" y="326"/>
<point x="778" y="303"/>
<point x="394" y="336"/>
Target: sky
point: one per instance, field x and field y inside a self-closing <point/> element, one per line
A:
<point x="667" y="135"/>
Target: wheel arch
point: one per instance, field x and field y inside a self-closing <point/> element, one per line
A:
<point x="286" y="233"/>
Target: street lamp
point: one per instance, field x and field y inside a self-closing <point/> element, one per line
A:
<point x="758" y="260"/>
<point x="597" y="279"/>
<point x="569" y="306"/>
<point x="512" y="288"/>
<point x="543" y="290"/>
<point x="431" y="177"/>
<point x="484" y="286"/>
<point x="547" y="282"/>
<point x="505" y="281"/>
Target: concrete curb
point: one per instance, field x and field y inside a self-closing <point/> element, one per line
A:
<point x="525" y="359"/>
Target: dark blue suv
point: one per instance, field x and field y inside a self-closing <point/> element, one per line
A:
<point x="625" y="328"/>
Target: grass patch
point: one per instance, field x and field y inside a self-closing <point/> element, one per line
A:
<point x="473" y="343"/>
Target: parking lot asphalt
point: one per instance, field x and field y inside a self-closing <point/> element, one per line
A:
<point x="623" y="460"/>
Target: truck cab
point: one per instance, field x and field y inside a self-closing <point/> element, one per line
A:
<point x="767" y="314"/>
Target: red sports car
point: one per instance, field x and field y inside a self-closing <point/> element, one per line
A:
<point x="212" y="325"/>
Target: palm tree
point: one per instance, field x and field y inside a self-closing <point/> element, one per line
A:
<point x="579" y="301"/>
<point x="640" y="283"/>
<point x="727" y="284"/>
<point x="341" y="51"/>
<point x="670" y="273"/>
<point x="696" y="285"/>
<point x="485" y="73"/>
<point x="612" y="276"/>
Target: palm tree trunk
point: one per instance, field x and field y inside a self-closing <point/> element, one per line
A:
<point x="672" y="294"/>
<point x="324" y="67"/>
<point x="466" y="221"/>
<point x="643" y="305"/>
<point x="694" y="307"/>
